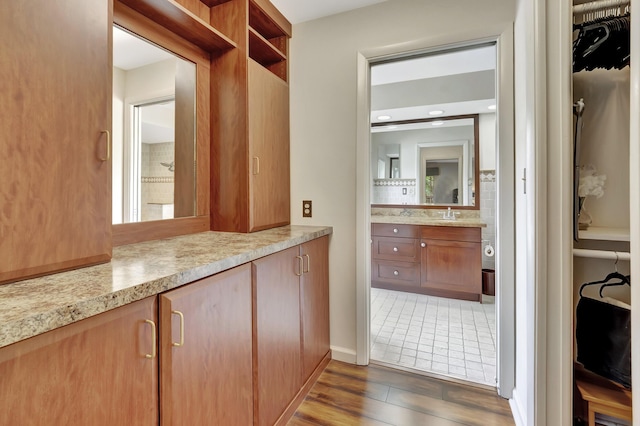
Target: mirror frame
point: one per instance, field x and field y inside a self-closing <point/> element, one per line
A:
<point x="476" y="162"/>
<point x="142" y="26"/>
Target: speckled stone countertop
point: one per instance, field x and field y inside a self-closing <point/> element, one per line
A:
<point x="32" y="307"/>
<point x="431" y="217"/>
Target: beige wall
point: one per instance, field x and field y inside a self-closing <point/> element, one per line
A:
<point x="323" y="119"/>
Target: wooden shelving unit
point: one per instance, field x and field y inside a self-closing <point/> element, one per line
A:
<point x="183" y="22"/>
<point x="269" y="34"/>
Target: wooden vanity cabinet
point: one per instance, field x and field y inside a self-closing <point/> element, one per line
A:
<point x="55" y="190"/>
<point x="291" y="327"/>
<point x="451" y="262"/>
<point x="206" y="351"/>
<point x="441" y="261"/>
<point x="395" y="258"/>
<point x="94" y="372"/>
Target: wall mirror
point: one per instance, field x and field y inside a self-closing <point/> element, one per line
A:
<point x="432" y="162"/>
<point x="430" y="114"/>
<point x="154" y="128"/>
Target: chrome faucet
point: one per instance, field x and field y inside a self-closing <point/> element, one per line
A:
<point x="449" y="214"/>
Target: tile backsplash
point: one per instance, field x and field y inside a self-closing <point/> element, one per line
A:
<point x="488" y="213"/>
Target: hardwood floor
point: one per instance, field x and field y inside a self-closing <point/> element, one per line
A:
<point x="347" y="394"/>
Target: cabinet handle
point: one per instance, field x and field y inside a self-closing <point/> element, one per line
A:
<point x="153" y="339"/>
<point x="395" y="249"/>
<point x="395" y="230"/>
<point x="181" y="315"/>
<point x="300" y="266"/>
<point x="106" y="158"/>
<point x="423" y="245"/>
<point x="256" y="165"/>
<point x="396" y="273"/>
<point x="308" y="264"/>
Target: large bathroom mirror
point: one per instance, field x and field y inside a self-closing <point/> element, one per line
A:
<point x="433" y="127"/>
<point x="431" y="162"/>
<point x="153" y="136"/>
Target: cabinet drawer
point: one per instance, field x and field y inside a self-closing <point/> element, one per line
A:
<point x="401" y="249"/>
<point x="452" y="233"/>
<point x="395" y="230"/>
<point x="396" y="272"/>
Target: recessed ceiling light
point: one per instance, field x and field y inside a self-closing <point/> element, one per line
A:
<point x="437" y="123"/>
<point x="492" y="107"/>
<point x="436" y="112"/>
<point x="384" y="117"/>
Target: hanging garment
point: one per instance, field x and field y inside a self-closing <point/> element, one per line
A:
<point x="602" y="43"/>
<point x="603" y="336"/>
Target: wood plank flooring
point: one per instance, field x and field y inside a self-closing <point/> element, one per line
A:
<point x="347" y="394"/>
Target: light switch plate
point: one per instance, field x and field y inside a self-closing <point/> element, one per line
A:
<point x="306" y="208"/>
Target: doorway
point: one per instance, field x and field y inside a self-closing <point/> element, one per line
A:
<point x="418" y="314"/>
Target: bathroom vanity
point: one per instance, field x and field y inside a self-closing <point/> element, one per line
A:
<point x="428" y="256"/>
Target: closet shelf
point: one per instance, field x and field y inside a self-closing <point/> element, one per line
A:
<point x="605" y="234"/>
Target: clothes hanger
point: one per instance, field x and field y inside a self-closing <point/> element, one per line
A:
<point x="613" y="275"/>
<point x="626" y="281"/>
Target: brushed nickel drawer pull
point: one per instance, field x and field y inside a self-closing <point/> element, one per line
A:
<point x="300" y="266"/>
<point x="308" y="264"/>
<point x="396" y="273"/>
<point x="423" y="245"/>
<point x="106" y="158"/>
<point x="395" y="230"/>
<point x="153" y="339"/>
<point x="181" y="343"/>
<point x="395" y="249"/>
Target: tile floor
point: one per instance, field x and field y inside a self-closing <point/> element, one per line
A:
<point x="444" y="336"/>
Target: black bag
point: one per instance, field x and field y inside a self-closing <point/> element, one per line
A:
<point x="603" y="335"/>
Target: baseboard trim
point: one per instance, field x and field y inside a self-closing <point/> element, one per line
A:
<point x="515" y="410"/>
<point x="343" y="354"/>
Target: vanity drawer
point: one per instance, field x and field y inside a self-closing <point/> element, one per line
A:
<point x="452" y="233"/>
<point x="401" y="249"/>
<point x="396" y="272"/>
<point x="395" y="230"/>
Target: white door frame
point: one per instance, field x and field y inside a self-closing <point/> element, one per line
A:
<point x="502" y="34"/>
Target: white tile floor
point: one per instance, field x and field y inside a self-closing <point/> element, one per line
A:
<point x="444" y="336"/>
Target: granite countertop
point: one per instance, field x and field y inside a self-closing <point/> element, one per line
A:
<point x="467" y="222"/>
<point x="136" y="271"/>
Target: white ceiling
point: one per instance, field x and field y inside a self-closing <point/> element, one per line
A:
<point x="410" y="75"/>
<point x="297" y="11"/>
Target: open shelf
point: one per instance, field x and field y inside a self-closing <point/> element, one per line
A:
<point x="212" y="3"/>
<point x="267" y="20"/>
<point x="262" y="51"/>
<point x="182" y="22"/>
<point x="604" y="234"/>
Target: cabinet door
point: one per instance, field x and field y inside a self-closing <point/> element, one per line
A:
<point x="277" y="359"/>
<point x="55" y="104"/>
<point x="93" y="372"/>
<point x="452" y="266"/>
<point x="314" y="303"/>
<point x="268" y="149"/>
<point x="205" y="351"/>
